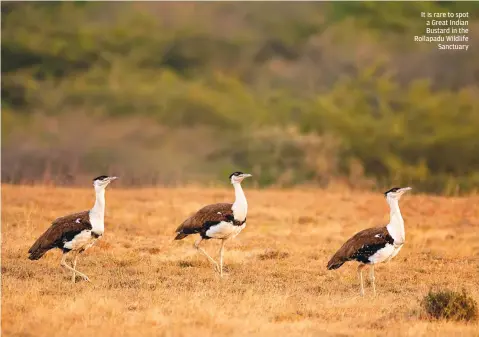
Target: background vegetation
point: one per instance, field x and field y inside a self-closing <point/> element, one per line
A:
<point x="296" y="93"/>
<point x="450" y="305"/>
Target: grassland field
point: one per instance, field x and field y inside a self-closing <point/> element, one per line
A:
<point x="276" y="282"/>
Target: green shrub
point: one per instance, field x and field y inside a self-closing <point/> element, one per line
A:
<point x="294" y="97"/>
<point x="450" y="305"/>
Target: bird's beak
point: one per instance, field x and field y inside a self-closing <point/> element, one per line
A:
<point x="113" y="178"/>
<point x="246" y="175"/>
<point x="405" y="189"/>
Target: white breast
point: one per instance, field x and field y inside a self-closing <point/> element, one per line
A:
<point x="240" y="210"/>
<point x="396" y="251"/>
<point x="224" y="230"/>
<point x="239" y="214"/>
<point x="97" y="222"/>
<point x="382" y="254"/>
<point x="82" y="240"/>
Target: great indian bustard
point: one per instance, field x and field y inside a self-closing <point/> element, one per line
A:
<point x="374" y="245"/>
<point x="76" y="232"/>
<point x="218" y="221"/>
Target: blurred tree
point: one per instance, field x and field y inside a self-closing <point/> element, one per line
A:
<point x="346" y="77"/>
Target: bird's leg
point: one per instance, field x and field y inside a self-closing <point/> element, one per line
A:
<point x="221" y="257"/>
<point x="372" y="278"/>
<point x="74" y="265"/>
<point x="63" y="263"/>
<point x="197" y="246"/>
<point x="360" y="275"/>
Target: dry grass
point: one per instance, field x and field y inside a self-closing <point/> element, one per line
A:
<point x="143" y="283"/>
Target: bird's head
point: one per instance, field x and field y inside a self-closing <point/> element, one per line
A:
<point x="102" y="182"/>
<point x="237" y="177"/>
<point x="396" y="193"/>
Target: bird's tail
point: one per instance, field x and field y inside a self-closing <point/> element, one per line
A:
<point x="180" y="235"/>
<point x="335" y="263"/>
<point x="37" y="250"/>
<point x="180" y="231"/>
<point x="36" y="255"/>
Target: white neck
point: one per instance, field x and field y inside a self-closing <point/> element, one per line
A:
<point x="240" y="206"/>
<point x="97" y="213"/>
<point x="396" y="222"/>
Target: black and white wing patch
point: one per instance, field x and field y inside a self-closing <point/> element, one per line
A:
<point x="361" y="246"/>
<point x="62" y="230"/>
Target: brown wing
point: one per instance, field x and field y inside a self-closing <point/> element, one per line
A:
<point x="211" y="213"/>
<point x="360" y="246"/>
<point x="62" y="229"/>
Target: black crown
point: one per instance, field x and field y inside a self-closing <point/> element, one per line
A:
<point x="394" y="189"/>
<point x="100" y="178"/>
<point x="236" y="174"/>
